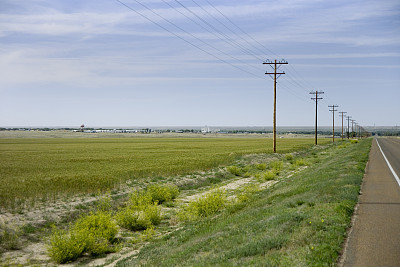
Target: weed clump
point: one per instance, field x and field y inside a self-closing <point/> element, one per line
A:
<point x="205" y="206"/>
<point x="276" y="166"/>
<point x="261" y="166"/>
<point x="300" y="162"/>
<point x="266" y="176"/>
<point x="65" y="246"/>
<point x="9" y="237"/>
<point x="163" y="193"/>
<point x="92" y="234"/>
<point x="142" y="211"/>
<point x="139" y="217"/>
<point x="247" y="192"/>
<point x="235" y="170"/>
<point x="289" y="156"/>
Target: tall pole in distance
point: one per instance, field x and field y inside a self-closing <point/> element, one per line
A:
<point x="352" y="128"/>
<point x="275" y="63"/>
<point x="316" y="98"/>
<point x="333" y="118"/>
<point x="342" y="115"/>
<point x="348" y="126"/>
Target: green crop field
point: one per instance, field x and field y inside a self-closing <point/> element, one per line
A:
<point x="47" y="168"/>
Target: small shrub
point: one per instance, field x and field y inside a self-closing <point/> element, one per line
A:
<point x="132" y="219"/>
<point x="247" y="192"/>
<point x="9" y="237"/>
<point x="268" y="175"/>
<point x="247" y="174"/>
<point x="300" y="162"/>
<point x="148" y="234"/>
<point x="163" y="193"/>
<point x="289" y="156"/>
<point x="99" y="225"/>
<point x="210" y="203"/>
<point x="353" y="141"/>
<point x="140" y="198"/>
<point x="276" y="165"/>
<point x="235" y="170"/>
<point x="205" y="206"/>
<point x="92" y="234"/>
<point x="139" y="217"/>
<point x="65" y="246"/>
<point x="104" y="203"/>
<point x="261" y="166"/>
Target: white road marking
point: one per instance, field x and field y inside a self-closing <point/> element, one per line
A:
<point x="390" y="166"/>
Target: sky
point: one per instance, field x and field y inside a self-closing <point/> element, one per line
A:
<point x="197" y="62"/>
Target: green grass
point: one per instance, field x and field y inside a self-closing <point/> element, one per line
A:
<point x="301" y="221"/>
<point x="38" y="170"/>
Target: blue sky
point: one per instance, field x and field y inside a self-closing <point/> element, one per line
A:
<point x="64" y="63"/>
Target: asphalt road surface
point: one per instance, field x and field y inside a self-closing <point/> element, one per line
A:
<point x="374" y="239"/>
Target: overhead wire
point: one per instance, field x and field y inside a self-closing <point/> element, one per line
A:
<point x="221" y="36"/>
<point x="294" y="80"/>
<point x="180" y="37"/>
<point x="204" y="28"/>
<point x="227" y="38"/>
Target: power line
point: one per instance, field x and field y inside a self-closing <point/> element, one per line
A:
<point x="224" y="25"/>
<point x="294" y="82"/>
<point x="180" y="37"/>
<point x="227" y="38"/>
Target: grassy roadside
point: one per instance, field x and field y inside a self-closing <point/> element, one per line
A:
<point x="301" y="221"/>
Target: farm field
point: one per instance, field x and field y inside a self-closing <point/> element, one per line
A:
<point x="42" y="169"/>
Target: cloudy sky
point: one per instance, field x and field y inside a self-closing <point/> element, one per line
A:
<point x="197" y="62"/>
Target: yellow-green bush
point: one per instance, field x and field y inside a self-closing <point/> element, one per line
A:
<point x="261" y="166"/>
<point x="246" y="192"/>
<point x="234" y="170"/>
<point x="92" y="234"/>
<point x="289" y="156"/>
<point x="276" y="166"/>
<point x="141" y="212"/>
<point x="162" y="193"/>
<point x="300" y="162"/>
<point x="65" y="246"/>
<point x="133" y="219"/>
<point x="266" y="176"/>
<point x="139" y="198"/>
<point x="99" y="229"/>
<point x="204" y="206"/>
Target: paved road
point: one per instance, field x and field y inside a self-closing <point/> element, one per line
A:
<point x="375" y="236"/>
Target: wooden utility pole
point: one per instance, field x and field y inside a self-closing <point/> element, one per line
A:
<point x="348" y="126"/>
<point x="316" y="98"/>
<point x="352" y="128"/>
<point x="333" y="118"/>
<point x="276" y="66"/>
<point x="342" y="115"/>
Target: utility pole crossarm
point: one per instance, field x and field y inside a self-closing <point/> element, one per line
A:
<point x="333" y="118"/>
<point x="316" y="98"/>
